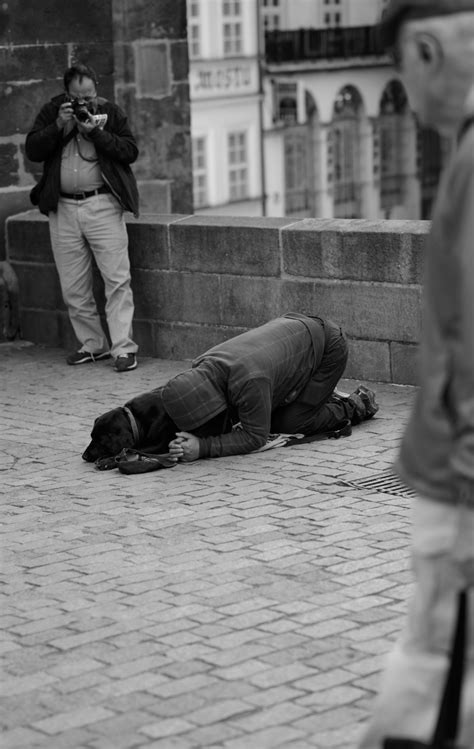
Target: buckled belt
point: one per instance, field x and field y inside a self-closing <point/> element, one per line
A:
<point x="84" y="195"/>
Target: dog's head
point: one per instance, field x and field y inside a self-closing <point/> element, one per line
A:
<point x="111" y="432"/>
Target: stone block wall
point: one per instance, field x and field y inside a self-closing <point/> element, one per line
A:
<point x="198" y="280"/>
<point x="139" y="51"/>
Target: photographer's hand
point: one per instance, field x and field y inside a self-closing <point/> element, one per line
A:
<point x="86" y="126"/>
<point x="64" y="115"/>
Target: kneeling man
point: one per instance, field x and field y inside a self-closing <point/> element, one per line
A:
<point x="279" y="377"/>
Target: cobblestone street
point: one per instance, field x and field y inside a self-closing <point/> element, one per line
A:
<point x="237" y="603"/>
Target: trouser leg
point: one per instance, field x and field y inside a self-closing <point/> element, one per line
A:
<point x="73" y="262"/>
<point x="318" y="410"/>
<point x="411" y="688"/>
<point x="105" y="230"/>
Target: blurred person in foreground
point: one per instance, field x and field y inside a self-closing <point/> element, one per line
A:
<point x="432" y="42"/>
<point x="87" y="147"/>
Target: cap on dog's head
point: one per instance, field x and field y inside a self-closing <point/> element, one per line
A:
<point x="111" y="432"/>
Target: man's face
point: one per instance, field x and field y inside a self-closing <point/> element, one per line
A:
<point x="84" y="90"/>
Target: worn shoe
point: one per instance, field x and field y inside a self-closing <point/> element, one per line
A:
<point x="364" y="401"/>
<point x="131" y="461"/>
<point x="125" y="362"/>
<point x="368" y="399"/>
<point x="83" y="357"/>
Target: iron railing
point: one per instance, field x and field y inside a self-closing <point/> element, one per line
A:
<point x="322" y="44"/>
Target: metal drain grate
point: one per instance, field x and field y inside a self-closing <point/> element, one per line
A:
<point x="385" y="482"/>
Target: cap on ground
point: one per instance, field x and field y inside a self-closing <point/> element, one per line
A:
<point x="398" y="11"/>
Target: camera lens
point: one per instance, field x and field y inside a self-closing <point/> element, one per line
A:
<point x="82" y="114"/>
<point x="80" y="109"/>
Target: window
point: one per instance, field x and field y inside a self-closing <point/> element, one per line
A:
<point x="297" y="193"/>
<point x="200" y="172"/>
<point x="392" y="132"/>
<point x="271" y="21"/>
<point x="286" y="95"/>
<point x="238" y="169"/>
<point x="232" y="28"/>
<point x="231" y="7"/>
<point x="194" y="29"/>
<point x="333" y="16"/>
<point x="345" y="142"/>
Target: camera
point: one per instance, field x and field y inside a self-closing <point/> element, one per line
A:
<point x="81" y="110"/>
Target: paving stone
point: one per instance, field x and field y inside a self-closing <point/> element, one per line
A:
<point x="167" y="727"/>
<point x="242" y="602"/>
<point x="73" y="719"/>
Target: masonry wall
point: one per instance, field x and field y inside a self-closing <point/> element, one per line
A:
<point x="139" y="51"/>
<point x="198" y="280"/>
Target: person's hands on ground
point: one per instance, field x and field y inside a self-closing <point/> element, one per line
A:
<point x="185" y="447"/>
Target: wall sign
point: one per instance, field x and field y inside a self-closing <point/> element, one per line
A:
<point x="220" y="78"/>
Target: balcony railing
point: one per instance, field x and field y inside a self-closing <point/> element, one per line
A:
<point x="322" y="44"/>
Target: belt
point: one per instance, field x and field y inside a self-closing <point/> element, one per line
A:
<point x="86" y="194"/>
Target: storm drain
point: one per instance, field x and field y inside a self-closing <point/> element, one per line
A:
<point x="386" y="483"/>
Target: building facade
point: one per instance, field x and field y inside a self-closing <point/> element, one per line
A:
<point x="324" y="119"/>
<point x="225" y="92"/>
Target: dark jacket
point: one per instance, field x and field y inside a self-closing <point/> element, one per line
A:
<point x="115" y="146"/>
<point x="437" y="453"/>
<point x="252" y="375"/>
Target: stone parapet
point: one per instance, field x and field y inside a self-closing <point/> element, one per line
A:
<point x="198" y="280"/>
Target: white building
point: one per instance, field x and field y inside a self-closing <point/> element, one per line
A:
<point x="225" y="97"/>
<point x="297" y="111"/>
<point x="306" y="14"/>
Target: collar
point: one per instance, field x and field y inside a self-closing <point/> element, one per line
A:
<point x="133" y="424"/>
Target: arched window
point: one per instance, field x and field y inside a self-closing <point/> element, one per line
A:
<point x="286" y="102"/>
<point x="345" y="153"/>
<point x="299" y="159"/>
<point x="393" y="123"/>
<point x="297" y="198"/>
<point x="288" y="110"/>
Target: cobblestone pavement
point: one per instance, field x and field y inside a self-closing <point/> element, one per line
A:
<point x="238" y="603"/>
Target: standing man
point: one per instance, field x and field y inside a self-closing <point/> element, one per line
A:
<point x="432" y="42"/>
<point x="87" y="148"/>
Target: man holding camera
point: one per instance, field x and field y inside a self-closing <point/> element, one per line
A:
<point x="87" y="148"/>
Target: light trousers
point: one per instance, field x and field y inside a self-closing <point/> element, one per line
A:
<point x="413" y="682"/>
<point x="78" y="230"/>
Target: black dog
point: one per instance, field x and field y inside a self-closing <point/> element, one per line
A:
<point x="142" y="423"/>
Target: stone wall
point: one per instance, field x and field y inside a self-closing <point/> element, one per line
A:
<point x="198" y="280"/>
<point x="139" y="51"/>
